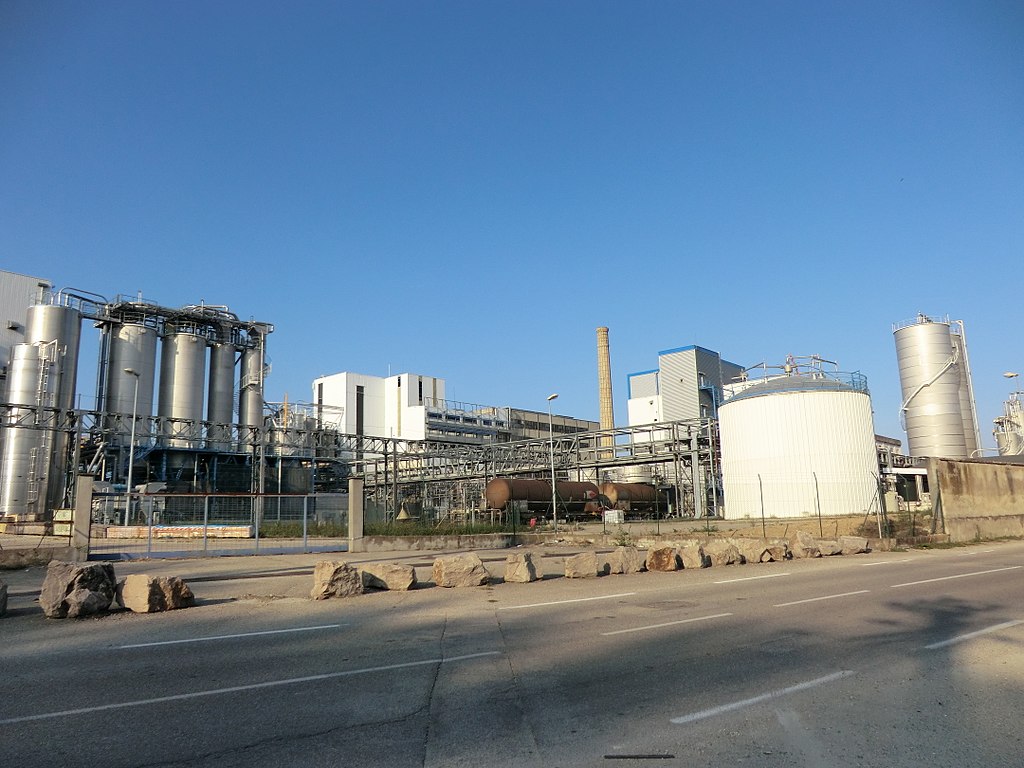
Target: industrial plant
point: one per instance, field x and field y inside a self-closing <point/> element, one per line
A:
<point x="181" y="414"/>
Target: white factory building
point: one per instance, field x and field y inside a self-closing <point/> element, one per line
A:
<point x="687" y="384"/>
<point x="411" y="406"/>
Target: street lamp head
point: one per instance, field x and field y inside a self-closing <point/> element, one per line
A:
<point x="132" y="372"/>
<point x="552" y="397"/>
<point x="1011" y="375"/>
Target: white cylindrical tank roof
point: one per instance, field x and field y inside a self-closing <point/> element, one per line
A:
<point x="798" y="446"/>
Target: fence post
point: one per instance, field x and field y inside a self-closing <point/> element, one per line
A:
<point x="206" y="520"/>
<point x="355" y="514"/>
<point x="305" y="517"/>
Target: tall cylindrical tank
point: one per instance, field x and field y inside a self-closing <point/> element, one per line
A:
<point x="796" y="446"/>
<point x="220" y="408"/>
<point x="182" y="381"/>
<point x="24" y="464"/>
<point x="967" y="410"/>
<point x="250" y="386"/>
<point x="59" y="328"/>
<point x="132" y="347"/>
<point x="931" y="381"/>
<point x="52" y="323"/>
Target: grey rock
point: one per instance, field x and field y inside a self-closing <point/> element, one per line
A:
<point x="520" y="568"/>
<point x="722" y="553"/>
<point x="625" y="560"/>
<point x="581" y="566"/>
<point x="692" y="556"/>
<point x="142" y="593"/>
<point x="460" y="571"/>
<point x="333" y="578"/>
<point x="829" y="548"/>
<point x="71" y="590"/>
<point x="854" y="545"/>
<point x="391" y="576"/>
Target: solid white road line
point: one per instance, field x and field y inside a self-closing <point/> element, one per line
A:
<point x="972" y="635"/>
<point x="884" y="562"/>
<point x="825" y="597"/>
<point x="666" y="624"/>
<point x="232" y="637"/>
<point x="563" y="602"/>
<point x="704" y="714"/>
<point x="958" y="576"/>
<point x="751" y="578"/>
<point x="239" y="688"/>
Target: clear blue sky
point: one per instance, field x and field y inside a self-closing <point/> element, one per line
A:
<point x="468" y="189"/>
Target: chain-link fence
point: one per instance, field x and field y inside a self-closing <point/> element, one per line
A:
<point x="196" y="525"/>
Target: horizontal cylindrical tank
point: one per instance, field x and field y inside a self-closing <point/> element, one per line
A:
<point x="798" y="446"/>
<point x="182" y="381"/>
<point x="631" y="496"/>
<point x="931" y="380"/>
<point x="573" y="496"/>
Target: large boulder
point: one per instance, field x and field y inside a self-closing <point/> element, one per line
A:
<point x="663" y="559"/>
<point x="460" y="571"/>
<point x="3" y="598"/>
<point x="806" y="545"/>
<point x="389" y="576"/>
<point x="692" y="556"/>
<point x="334" y="578"/>
<point x="722" y="553"/>
<point x="71" y="590"/>
<point x="143" y="593"/>
<point x="829" y="547"/>
<point x="520" y="568"/>
<point x="854" y="545"/>
<point x="581" y="566"/>
<point x="625" y="560"/>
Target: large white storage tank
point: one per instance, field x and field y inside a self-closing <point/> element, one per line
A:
<point x="799" y="445"/>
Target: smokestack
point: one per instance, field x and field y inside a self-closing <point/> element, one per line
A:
<point x="604" y="380"/>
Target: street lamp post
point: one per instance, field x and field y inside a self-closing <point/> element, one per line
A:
<point x="131" y="443"/>
<point x="551" y="446"/>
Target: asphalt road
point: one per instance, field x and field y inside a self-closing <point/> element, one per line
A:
<point x="885" y="659"/>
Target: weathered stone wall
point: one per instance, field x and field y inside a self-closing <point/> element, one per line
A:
<point x="979" y="499"/>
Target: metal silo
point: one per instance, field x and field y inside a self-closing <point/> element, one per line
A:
<point x="972" y="436"/>
<point x="929" y="366"/>
<point x="62" y="326"/>
<point x="133" y="347"/>
<point x="57" y="328"/>
<point x="799" y="445"/>
<point x="182" y="381"/>
<point x="220" y="408"/>
<point x="250" y="385"/>
<point x="24" y="464"/>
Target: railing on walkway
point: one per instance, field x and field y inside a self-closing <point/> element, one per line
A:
<point x="198" y="525"/>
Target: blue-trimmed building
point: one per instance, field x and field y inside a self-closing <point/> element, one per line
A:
<point x="687" y="384"/>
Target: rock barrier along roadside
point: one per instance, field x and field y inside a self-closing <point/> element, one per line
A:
<point x="76" y="590"/>
<point x="339" y="579"/>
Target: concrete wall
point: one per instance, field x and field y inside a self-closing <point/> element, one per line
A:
<point x="978" y="499"/>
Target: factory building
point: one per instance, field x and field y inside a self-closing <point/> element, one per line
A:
<point x="412" y="406"/>
<point x="687" y="384"/>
